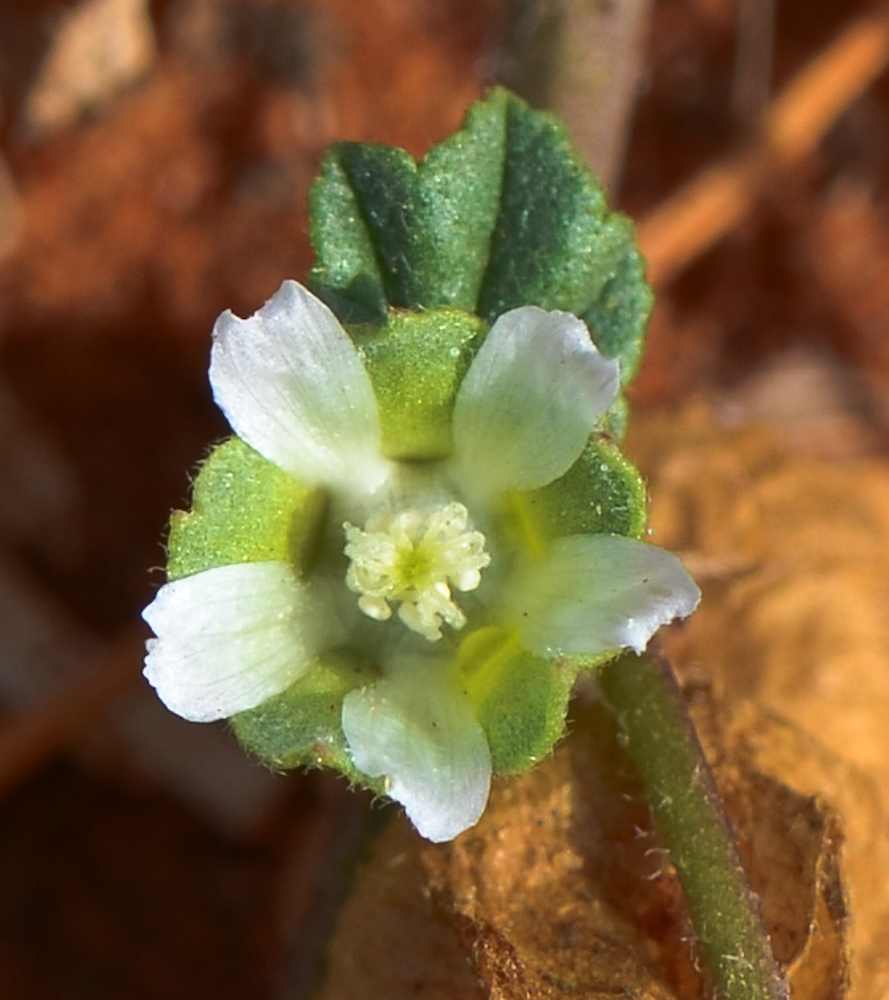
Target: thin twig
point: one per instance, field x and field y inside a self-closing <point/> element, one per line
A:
<point x="713" y="204"/>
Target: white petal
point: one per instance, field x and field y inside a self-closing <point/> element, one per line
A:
<point x="293" y="386"/>
<point x="229" y="638"/>
<point x="595" y="593"/>
<point x="529" y="401"/>
<point x="417" y="727"/>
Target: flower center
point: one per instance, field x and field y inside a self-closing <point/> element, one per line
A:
<point x="412" y="559"/>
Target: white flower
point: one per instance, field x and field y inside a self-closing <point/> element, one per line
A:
<point x="424" y="563"/>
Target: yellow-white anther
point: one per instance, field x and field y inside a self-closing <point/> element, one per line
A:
<point x="412" y="559"/>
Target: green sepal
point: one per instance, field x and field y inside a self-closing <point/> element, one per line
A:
<point x="602" y="493"/>
<point x="520" y="700"/>
<point x="302" y="727"/>
<point x="502" y="214"/>
<point x="244" y="509"/>
<point x="416" y="362"/>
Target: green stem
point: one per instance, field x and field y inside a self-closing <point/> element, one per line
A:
<point x="662" y="742"/>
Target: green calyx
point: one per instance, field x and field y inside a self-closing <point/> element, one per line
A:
<point x="417" y="260"/>
<point x="601" y="494"/>
<point x="416" y="362"/>
<point x="245" y="509"/>
<point x="302" y="727"/>
<point x="520" y="700"/>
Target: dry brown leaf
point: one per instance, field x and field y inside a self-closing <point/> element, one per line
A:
<point x="562" y="875"/>
<point x="563" y="890"/>
<point x="100" y="48"/>
<point x="390" y="942"/>
<point x="792" y="552"/>
<point x="540" y="898"/>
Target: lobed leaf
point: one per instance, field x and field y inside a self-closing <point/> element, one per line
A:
<point x="503" y="213"/>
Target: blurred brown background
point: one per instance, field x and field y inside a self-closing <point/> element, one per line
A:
<point x="153" y="170"/>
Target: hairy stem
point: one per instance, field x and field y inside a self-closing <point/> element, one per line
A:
<point x="662" y="743"/>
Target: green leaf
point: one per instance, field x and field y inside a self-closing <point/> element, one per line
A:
<point x="504" y="213"/>
<point x="387" y="230"/>
<point x="619" y="315"/>
<point x="346" y="276"/>
<point x="244" y="509"/>
<point x="555" y="245"/>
